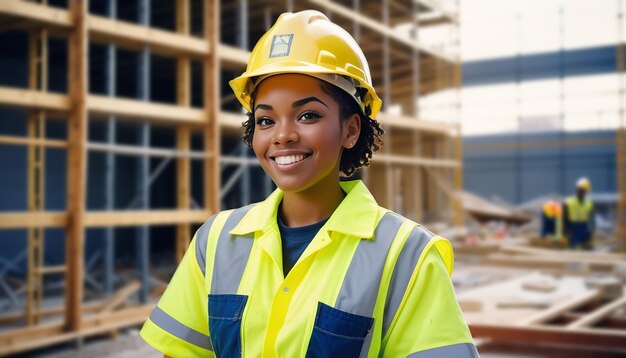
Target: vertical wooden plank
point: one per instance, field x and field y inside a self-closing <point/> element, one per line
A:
<point x="389" y="169"/>
<point x="182" y="16"/>
<point x="211" y="104"/>
<point x="415" y="95"/>
<point x="183" y="192"/>
<point x="431" y="187"/>
<point x="459" y="219"/>
<point x="244" y="183"/>
<point x="447" y="199"/>
<point x="40" y="174"/>
<point x="143" y="168"/>
<point x="40" y="168"/>
<point x="458" y="177"/>
<point x="183" y="86"/>
<point x="35" y="176"/>
<point x="76" y="163"/>
<point x="31" y="279"/>
<point x="44" y="60"/>
<point x="183" y="164"/>
<point x="38" y="66"/>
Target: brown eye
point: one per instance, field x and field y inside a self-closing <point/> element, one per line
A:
<point x="309" y="115"/>
<point x="264" y="121"/>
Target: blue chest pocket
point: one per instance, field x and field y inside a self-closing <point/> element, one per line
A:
<point x="337" y="333"/>
<point x="225" y="312"/>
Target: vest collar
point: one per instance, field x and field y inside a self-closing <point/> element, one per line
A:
<point x="355" y="216"/>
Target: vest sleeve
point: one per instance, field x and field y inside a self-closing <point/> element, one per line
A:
<point x="429" y="321"/>
<point x="178" y="325"/>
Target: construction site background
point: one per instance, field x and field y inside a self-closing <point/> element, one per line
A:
<point x="119" y="136"/>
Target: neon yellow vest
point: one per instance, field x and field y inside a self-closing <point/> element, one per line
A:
<point x="578" y="212"/>
<point x="370" y="280"/>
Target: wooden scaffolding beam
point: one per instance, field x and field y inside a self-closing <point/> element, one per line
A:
<point x="76" y="163"/>
<point x="183" y="134"/>
<point x="38" y="80"/>
<point x="212" y="102"/>
<point x="606" y="338"/>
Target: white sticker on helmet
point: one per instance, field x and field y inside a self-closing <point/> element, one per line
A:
<point x="281" y="45"/>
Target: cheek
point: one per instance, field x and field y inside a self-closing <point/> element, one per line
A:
<point x="256" y="145"/>
<point x="260" y="143"/>
<point x="330" y="142"/>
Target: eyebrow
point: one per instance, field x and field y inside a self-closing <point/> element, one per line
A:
<point x="298" y="103"/>
<point x="263" y="106"/>
<point x="304" y="101"/>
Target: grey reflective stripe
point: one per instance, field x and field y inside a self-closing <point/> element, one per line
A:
<point x="231" y="255"/>
<point x="362" y="280"/>
<point x="365" y="348"/>
<point x="202" y="237"/>
<point x="402" y="272"/>
<point x="177" y="329"/>
<point x="461" y="350"/>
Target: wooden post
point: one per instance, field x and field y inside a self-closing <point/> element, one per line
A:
<point x="389" y="168"/>
<point x="38" y="81"/>
<point x="76" y="163"/>
<point x="212" y="170"/>
<point x="183" y="164"/>
<point x="459" y="219"/>
<point x="415" y="97"/>
<point x="457" y="78"/>
<point x="183" y="196"/>
<point x="32" y="282"/>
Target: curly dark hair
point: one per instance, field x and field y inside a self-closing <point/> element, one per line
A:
<point x="369" y="140"/>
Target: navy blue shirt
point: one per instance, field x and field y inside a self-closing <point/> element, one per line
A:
<point x="295" y="240"/>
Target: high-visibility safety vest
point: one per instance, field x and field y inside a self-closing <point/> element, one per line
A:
<point x="577" y="211"/>
<point x="370" y="284"/>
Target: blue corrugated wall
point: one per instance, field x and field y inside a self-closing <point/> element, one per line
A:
<point x="578" y="62"/>
<point x="520" y="167"/>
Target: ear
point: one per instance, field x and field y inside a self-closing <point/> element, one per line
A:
<point x="351" y="130"/>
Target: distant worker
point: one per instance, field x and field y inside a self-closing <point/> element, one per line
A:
<point x="578" y="216"/>
<point x="552" y="222"/>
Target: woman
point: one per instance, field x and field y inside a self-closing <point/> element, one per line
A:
<point x="317" y="269"/>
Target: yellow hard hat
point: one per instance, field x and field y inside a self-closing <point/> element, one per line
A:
<point x="583" y="183"/>
<point x="307" y="42"/>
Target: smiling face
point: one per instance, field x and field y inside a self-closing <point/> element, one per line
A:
<point x="298" y="135"/>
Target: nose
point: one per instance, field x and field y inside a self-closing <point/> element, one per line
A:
<point x="285" y="132"/>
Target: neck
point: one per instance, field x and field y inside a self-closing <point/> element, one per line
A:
<point x="311" y="205"/>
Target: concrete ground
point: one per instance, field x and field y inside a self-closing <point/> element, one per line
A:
<point x="127" y="344"/>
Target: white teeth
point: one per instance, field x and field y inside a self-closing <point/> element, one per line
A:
<point x="289" y="159"/>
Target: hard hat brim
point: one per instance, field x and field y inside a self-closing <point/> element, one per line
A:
<point x="240" y="84"/>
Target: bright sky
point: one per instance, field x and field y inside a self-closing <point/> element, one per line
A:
<point x="507" y="28"/>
